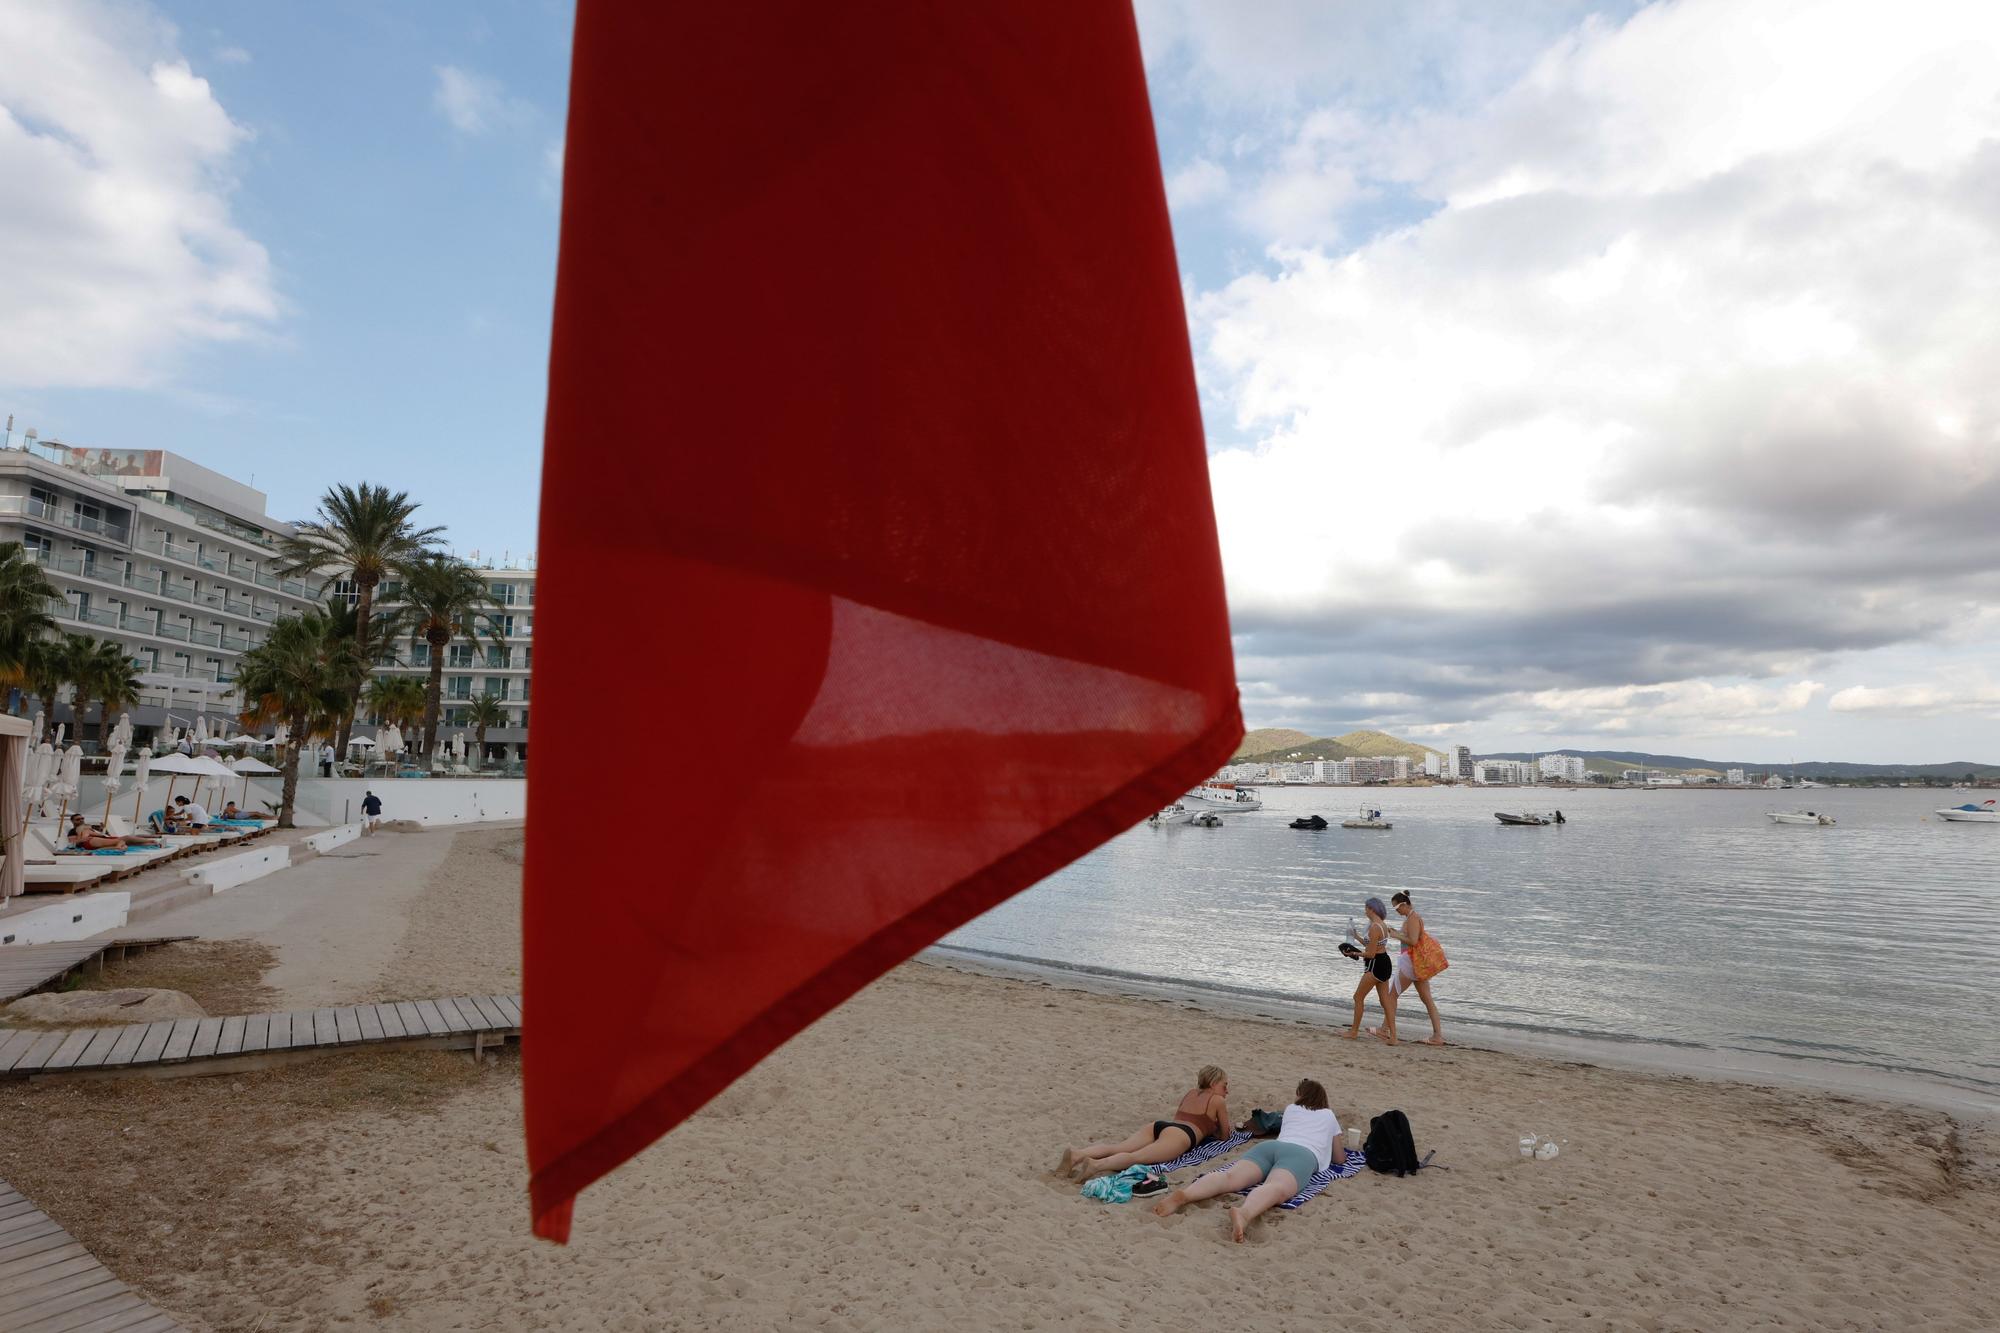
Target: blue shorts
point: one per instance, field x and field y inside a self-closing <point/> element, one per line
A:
<point x="1272" y="1155"/>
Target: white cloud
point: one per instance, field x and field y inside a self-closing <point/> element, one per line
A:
<point x="477" y="103"/>
<point x="231" y="55"/>
<point x="1670" y="365"/>
<point x="117" y="246"/>
<point x="1920" y="700"/>
<point x="1196" y="183"/>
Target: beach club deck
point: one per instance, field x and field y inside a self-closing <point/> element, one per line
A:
<point x="175" y="1048"/>
<point x="51" y="1284"/>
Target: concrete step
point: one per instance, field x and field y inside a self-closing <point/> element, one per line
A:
<point x="164" y="897"/>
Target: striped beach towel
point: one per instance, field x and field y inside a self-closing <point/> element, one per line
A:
<point x="1212" y="1149"/>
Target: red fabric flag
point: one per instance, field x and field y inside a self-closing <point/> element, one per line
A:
<point x="878" y="571"/>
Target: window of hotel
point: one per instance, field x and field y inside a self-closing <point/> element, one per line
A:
<point x="420" y="654"/>
<point x="458" y="687"/>
<point x="524" y="719"/>
<point x="496" y="658"/>
<point x="503" y="593"/>
<point x="506" y="625"/>
<point x="38" y="546"/>
<point x="497" y="686"/>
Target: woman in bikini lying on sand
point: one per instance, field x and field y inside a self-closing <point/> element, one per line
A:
<point x="1376" y="970"/>
<point x="1202" y="1115"/>
<point x="1274" y="1170"/>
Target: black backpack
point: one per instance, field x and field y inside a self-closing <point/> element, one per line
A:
<point x="1390" y="1146"/>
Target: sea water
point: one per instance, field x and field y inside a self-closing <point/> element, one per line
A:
<point x="1680" y="924"/>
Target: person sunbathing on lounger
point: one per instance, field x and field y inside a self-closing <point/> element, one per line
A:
<point x="85" y="838"/>
<point x="1274" y="1170"/>
<point x="1202" y="1115"/>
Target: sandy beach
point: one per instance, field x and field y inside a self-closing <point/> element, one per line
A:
<point x="891" y="1168"/>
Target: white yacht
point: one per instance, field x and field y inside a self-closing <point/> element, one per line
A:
<point x="1367" y="817"/>
<point x="1225" y="796"/>
<point x="1986" y="812"/>
<point x="1173" y="814"/>
<point x="1799" y="817"/>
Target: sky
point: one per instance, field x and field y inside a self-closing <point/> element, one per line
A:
<point x="1605" y="376"/>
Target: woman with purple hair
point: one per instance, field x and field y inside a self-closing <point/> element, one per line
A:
<point x="1376" y="969"/>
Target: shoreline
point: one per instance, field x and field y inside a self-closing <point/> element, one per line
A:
<point x="890" y="1167"/>
<point x="1639" y="1055"/>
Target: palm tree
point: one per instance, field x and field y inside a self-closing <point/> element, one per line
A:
<point x="304" y="675"/>
<point x="485" y="711"/>
<point x="25" y="594"/>
<point x="112" y="682"/>
<point x="44" y="665"/>
<point x="397" y="700"/>
<point x="75" y="664"/>
<point x="365" y="533"/>
<point x="443" y="598"/>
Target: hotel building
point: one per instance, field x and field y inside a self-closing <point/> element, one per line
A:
<point x="178" y="565"/>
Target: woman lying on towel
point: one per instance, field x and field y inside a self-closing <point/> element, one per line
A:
<point x="1274" y="1170"/>
<point x="1202" y="1115"/>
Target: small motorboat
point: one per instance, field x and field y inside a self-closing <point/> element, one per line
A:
<point x="1173" y="814"/>
<point x="1800" y="817"/>
<point x="1310" y="822"/>
<point x="1207" y="819"/>
<point x="1523" y="820"/>
<point x="1367" y="818"/>
<point x="1983" y="813"/>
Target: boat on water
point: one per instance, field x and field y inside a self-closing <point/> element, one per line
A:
<point x="1986" y="812"/>
<point x="1310" y="822"/>
<point x="1367" y="818"/>
<point x="1173" y="814"/>
<point x="1528" y="820"/>
<point x="1799" y="817"/>
<point x="1225" y="796"/>
<point x="1206" y="819"/>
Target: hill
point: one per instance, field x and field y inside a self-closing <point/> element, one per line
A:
<point x="1374" y="743"/>
<point x="1266" y="739"/>
<point x="1298" y="747"/>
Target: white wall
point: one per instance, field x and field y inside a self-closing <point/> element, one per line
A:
<point x="76" y="917"/>
<point x="425" y="800"/>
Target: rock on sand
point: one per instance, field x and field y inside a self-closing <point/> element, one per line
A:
<point x="90" y="1008"/>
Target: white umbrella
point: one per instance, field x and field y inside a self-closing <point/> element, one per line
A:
<point x="215" y="771"/>
<point x="71" y="785"/>
<point x="114" y="768"/>
<point x="61" y="727"/>
<point x="390" y="738"/>
<point x="361" y="742"/>
<point x="142" y="773"/>
<point x="35" y="736"/>
<point x="121" y="735"/>
<point x="175" y="764"/>
<point x="246" y="766"/>
<point x="200" y="736"/>
<point x="41" y="770"/>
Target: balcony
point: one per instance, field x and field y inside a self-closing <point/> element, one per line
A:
<point x="27" y="506"/>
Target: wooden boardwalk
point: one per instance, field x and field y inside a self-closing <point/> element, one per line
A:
<point x="28" y="967"/>
<point x="203" y="1045"/>
<point x="49" y="1283"/>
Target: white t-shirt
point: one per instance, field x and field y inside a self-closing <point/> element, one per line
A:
<point x="1313" y="1130"/>
<point x="193" y="813"/>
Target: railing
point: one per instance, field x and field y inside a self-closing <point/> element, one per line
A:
<point x="207" y="638"/>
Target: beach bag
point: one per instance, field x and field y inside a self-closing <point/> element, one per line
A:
<point x="1263" y="1124"/>
<point x="1390" y="1146"/>
<point x="1427" y="958"/>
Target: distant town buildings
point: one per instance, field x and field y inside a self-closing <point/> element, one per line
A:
<point x="1734" y="777"/>
<point x="1506" y="772"/>
<point x="1562" y="767"/>
<point x="1462" y="762"/>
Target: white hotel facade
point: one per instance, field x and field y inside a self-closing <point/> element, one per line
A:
<point x="177" y="564"/>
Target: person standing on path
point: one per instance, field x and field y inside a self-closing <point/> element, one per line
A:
<point x="371" y="812"/>
<point x="326" y="759"/>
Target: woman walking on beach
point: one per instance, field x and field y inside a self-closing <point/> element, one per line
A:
<point x="1376" y="970"/>
<point x="1421" y="959"/>
<point x="1202" y="1115"/>
<point x="1274" y="1170"/>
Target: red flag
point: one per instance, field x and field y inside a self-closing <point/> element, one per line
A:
<point x="878" y="570"/>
